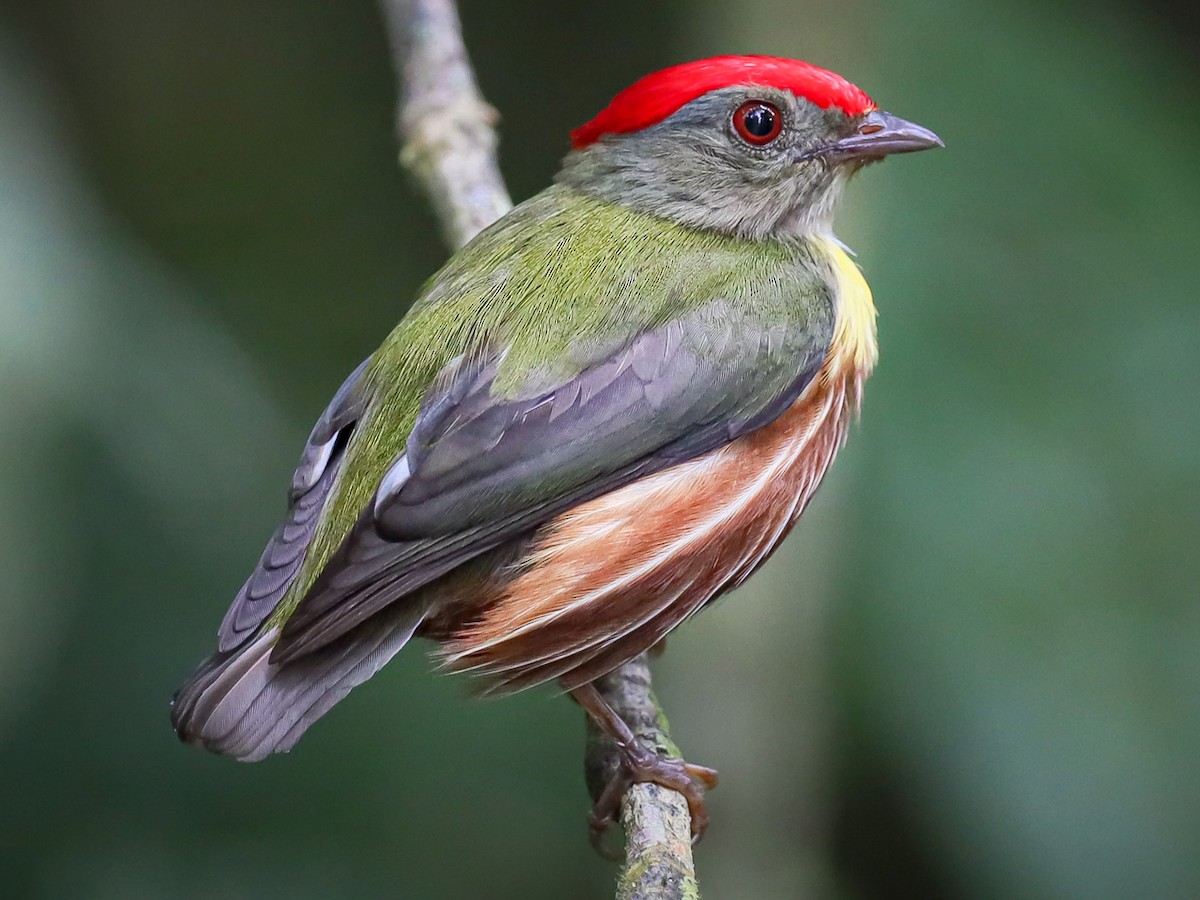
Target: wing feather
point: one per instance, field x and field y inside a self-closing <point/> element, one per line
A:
<point x="311" y="485"/>
<point x="484" y="466"/>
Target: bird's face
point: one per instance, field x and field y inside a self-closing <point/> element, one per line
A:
<point x="753" y="161"/>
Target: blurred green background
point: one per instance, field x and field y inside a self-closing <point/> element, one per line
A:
<point x="973" y="671"/>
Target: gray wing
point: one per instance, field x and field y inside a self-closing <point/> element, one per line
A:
<point x="284" y="553"/>
<point x="482" y="467"/>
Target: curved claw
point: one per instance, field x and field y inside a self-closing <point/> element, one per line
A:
<point x="703" y="774"/>
<point x="606" y="810"/>
<point x="640" y="765"/>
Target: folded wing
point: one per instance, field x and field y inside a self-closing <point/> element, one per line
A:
<point x="311" y="483"/>
<point x="487" y="462"/>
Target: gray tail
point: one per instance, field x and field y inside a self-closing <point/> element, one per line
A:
<point x="243" y="705"/>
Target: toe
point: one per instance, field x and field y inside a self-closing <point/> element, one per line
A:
<point x="703" y="774"/>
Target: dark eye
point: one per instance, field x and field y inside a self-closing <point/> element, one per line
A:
<point x="758" y="122"/>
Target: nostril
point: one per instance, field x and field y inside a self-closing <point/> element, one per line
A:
<point x="869" y="128"/>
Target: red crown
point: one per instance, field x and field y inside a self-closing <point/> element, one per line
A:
<point x="651" y="99"/>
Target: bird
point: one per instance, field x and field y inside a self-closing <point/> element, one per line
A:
<point x="604" y="411"/>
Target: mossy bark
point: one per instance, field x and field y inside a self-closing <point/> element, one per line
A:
<point x="657" y="823"/>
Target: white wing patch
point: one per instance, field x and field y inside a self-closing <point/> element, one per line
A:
<point x="391" y="484"/>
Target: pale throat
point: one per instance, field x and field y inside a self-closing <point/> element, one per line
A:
<point x="812" y="205"/>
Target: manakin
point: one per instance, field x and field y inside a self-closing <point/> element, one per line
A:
<point x="604" y="411"/>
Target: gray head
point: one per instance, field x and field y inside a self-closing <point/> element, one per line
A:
<point x="751" y="146"/>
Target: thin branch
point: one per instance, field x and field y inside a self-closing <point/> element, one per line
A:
<point x="657" y="823"/>
<point x="447" y="132"/>
<point x="448" y="142"/>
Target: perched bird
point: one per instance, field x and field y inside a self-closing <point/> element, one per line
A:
<point x="604" y="411"/>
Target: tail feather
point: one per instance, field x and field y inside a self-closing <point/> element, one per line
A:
<point x="241" y="704"/>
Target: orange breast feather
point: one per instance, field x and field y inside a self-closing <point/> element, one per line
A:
<point x="611" y="577"/>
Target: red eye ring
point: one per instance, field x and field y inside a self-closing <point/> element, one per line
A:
<point x="758" y="122"/>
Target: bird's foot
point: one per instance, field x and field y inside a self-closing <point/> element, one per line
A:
<point x="640" y="765"/>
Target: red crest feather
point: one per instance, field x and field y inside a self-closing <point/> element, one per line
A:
<point x="651" y="99"/>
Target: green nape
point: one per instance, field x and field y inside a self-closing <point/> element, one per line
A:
<point x="516" y="286"/>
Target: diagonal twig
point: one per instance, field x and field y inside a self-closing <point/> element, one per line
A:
<point x="446" y="129"/>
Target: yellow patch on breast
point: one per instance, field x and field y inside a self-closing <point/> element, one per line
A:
<point x="854" y="342"/>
